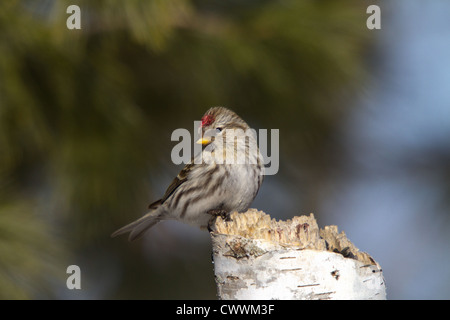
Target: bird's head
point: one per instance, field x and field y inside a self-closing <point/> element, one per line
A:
<point x="216" y="121"/>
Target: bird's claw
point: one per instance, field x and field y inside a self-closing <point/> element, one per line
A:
<point x="225" y="215"/>
<point x="220" y="213"/>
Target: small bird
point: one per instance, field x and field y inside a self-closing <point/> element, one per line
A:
<point x="223" y="178"/>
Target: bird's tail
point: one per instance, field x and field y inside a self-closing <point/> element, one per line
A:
<point x="138" y="227"/>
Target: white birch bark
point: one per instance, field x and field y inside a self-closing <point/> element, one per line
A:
<point x="256" y="257"/>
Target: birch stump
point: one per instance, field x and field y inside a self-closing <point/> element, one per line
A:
<point x="256" y="257"/>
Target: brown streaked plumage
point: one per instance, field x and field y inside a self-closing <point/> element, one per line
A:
<point x="207" y="185"/>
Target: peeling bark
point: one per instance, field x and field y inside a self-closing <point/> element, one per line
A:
<point x="256" y="257"/>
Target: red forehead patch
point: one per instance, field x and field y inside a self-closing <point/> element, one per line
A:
<point x="207" y="120"/>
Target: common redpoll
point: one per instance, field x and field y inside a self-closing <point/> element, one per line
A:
<point x="223" y="178"/>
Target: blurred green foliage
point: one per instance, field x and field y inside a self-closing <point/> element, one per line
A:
<point x="86" y="117"/>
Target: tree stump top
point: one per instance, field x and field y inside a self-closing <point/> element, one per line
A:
<point x="256" y="257"/>
<point x="300" y="232"/>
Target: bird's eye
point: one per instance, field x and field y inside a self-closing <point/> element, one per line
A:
<point x="218" y="130"/>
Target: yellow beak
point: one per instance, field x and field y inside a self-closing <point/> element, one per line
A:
<point x="204" y="141"/>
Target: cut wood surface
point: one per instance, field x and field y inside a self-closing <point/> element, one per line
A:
<point x="256" y="257"/>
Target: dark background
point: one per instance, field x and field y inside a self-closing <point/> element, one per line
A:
<point x="86" y="118"/>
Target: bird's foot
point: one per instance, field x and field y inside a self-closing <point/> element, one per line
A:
<point x="225" y="215"/>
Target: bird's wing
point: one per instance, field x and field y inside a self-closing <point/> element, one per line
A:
<point x="138" y="227"/>
<point x="179" y="180"/>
